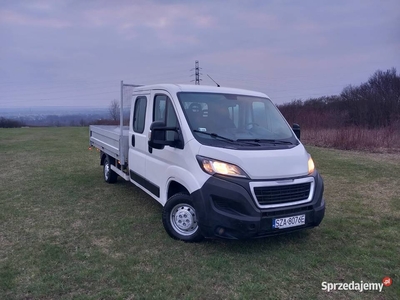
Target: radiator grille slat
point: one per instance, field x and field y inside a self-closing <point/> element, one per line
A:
<point x="282" y="193"/>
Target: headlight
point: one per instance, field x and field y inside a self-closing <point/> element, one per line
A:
<point x="212" y="166"/>
<point x="311" y="166"/>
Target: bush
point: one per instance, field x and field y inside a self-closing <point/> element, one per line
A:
<point x="354" y="138"/>
<point x="8" y="123"/>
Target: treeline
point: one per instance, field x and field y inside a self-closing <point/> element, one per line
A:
<point x="52" y="120"/>
<point x="374" y="104"/>
<point x="9" y="123"/>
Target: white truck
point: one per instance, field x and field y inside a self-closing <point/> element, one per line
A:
<point x="222" y="162"/>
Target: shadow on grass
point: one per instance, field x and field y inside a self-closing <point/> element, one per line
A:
<point x="259" y="245"/>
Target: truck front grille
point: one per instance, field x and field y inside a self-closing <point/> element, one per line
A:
<point x="281" y="194"/>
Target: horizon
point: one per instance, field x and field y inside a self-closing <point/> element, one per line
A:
<point x="107" y="106"/>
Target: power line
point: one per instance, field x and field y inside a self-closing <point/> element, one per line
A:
<point x="196" y="73"/>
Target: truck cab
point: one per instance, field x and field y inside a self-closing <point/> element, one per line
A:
<point x="222" y="162"/>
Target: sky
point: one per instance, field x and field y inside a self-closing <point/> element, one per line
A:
<point x="75" y="53"/>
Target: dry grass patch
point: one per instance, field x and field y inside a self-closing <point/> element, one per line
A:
<point x="354" y="138"/>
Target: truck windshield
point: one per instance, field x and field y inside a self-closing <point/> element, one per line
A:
<point x="239" y="118"/>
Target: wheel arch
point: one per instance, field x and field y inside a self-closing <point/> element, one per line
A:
<point x="174" y="187"/>
<point x="103" y="156"/>
<point x="181" y="180"/>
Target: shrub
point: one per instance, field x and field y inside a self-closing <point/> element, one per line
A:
<point x="9" y="123"/>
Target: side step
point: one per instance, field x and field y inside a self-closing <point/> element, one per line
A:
<point x="119" y="172"/>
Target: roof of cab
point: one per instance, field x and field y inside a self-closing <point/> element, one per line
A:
<point x="175" y="88"/>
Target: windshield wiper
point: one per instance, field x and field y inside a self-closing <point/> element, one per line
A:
<point x="267" y="141"/>
<point x="216" y="136"/>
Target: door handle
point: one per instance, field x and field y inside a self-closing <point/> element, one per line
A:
<point x="133" y="140"/>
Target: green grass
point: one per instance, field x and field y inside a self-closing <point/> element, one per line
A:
<point x="65" y="234"/>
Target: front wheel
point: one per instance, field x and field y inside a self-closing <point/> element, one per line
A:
<point x="180" y="219"/>
<point x="109" y="175"/>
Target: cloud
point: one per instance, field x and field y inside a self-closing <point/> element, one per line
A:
<point x="272" y="45"/>
<point x="10" y="17"/>
<point x="146" y="14"/>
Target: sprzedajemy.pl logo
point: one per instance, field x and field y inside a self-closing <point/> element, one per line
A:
<point x="356" y="286"/>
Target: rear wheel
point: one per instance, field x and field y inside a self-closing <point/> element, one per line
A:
<point x="180" y="219"/>
<point x="109" y="175"/>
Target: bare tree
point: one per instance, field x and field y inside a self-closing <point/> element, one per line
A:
<point x="373" y="104"/>
<point x="114" y="110"/>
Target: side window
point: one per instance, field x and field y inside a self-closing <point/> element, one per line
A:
<point x="139" y="114"/>
<point x="159" y="108"/>
<point x="164" y="111"/>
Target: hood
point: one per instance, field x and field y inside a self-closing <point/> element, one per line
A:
<point x="263" y="164"/>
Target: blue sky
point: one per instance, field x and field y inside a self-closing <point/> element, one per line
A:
<point x="75" y="53"/>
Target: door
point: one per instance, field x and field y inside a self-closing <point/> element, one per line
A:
<point x="159" y="161"/>
<point x="138" y="140"/>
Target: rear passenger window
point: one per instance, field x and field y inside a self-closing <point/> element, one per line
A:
<point x="139" y="116"/>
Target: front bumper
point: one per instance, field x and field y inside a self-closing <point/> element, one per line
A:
<point x="226" y="209"/>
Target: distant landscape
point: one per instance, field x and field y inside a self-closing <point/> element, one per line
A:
<point x="364" y="117"/>
<point x="54" y="116"/>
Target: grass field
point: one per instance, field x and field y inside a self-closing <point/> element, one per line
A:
<point x="65" y="234"/>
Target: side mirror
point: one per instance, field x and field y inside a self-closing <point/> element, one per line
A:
<point x="296" y="130"/>
<point x="159" y="133"/>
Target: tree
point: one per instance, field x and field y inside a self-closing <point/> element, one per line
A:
<point x="114" y="110"/>
<point x="9" y="123"/>
<point x="375" y="103"/>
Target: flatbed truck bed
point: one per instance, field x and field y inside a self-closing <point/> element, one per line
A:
<point x="108" y="139"/>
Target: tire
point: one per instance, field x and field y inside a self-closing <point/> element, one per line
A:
<point x="179" y="219"/>
<point x="109" y="175"/>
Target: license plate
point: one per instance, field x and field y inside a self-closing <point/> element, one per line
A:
<point x="289" y="222"/>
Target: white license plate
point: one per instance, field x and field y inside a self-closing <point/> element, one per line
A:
<point x="289" y="222"/>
